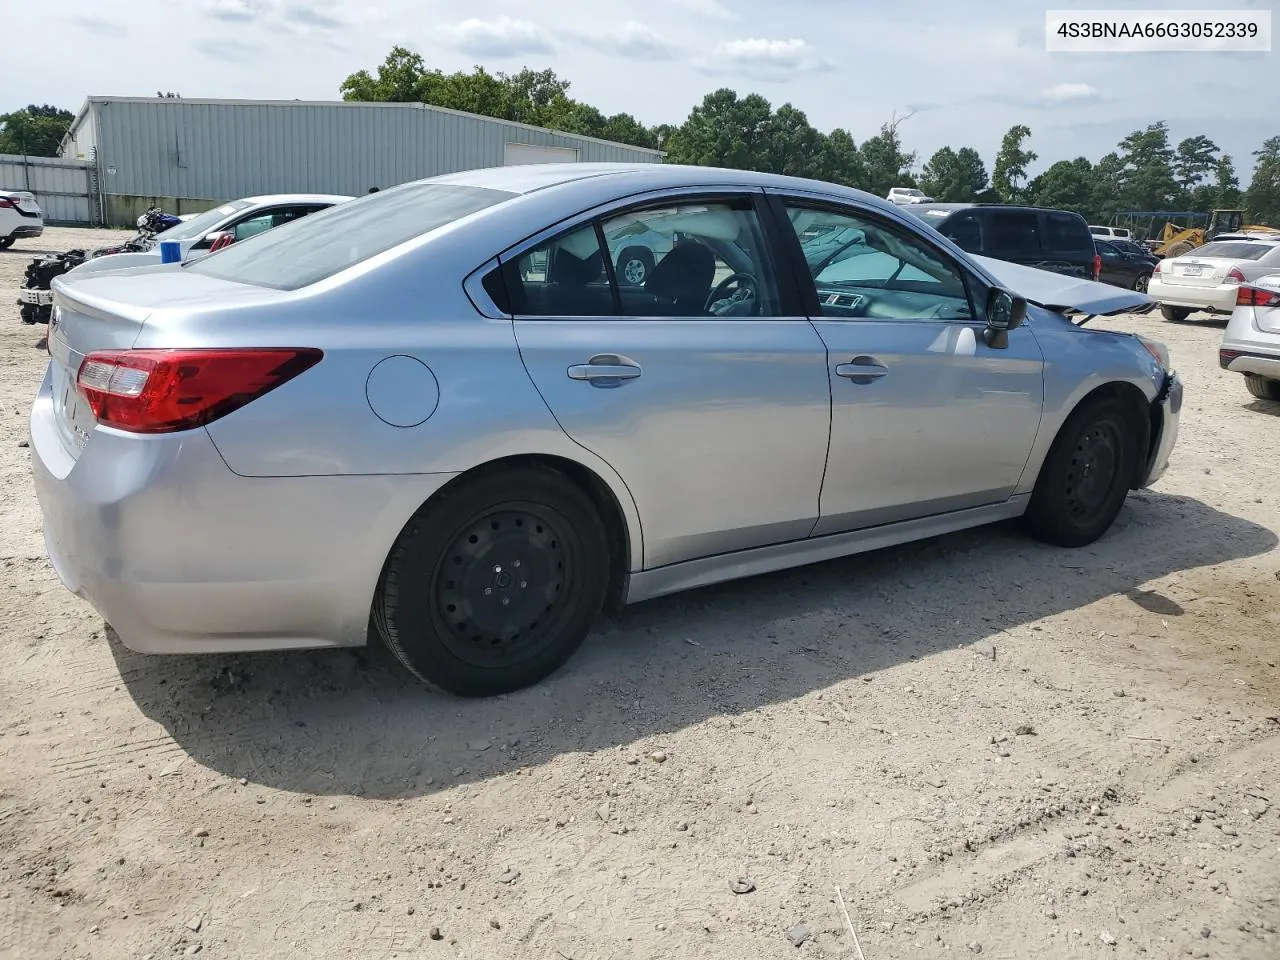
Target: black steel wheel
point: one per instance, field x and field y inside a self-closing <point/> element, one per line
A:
<point x="6" y="243"/>
<point x="1087" y="474"/>
<point x="495" y="585"/>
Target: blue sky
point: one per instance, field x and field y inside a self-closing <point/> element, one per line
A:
<point x="968" y="70"/>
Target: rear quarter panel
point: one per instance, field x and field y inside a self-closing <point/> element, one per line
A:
<point x="1077" y="361"/>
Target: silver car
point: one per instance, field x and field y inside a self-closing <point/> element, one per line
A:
<point x="438" y="412"/>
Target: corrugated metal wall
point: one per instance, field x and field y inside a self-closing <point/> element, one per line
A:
<point x="220" y="150"/>
<point x="61" y="187"/>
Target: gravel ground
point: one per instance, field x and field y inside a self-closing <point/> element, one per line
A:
<point x="987" y="745"/>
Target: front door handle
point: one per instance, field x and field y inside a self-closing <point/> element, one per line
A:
<point x="862" y="370"/>
<point x="605" y="370"/>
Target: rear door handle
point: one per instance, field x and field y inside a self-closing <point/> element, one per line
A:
<point x="862" y="370"/>
<point x="605" y="370"/>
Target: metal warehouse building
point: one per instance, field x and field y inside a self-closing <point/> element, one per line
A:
<point x="188" y="155"/>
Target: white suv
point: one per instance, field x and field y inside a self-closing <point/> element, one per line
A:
<point x="20" y="217"/>
<point x="1110" y="233"/>
<point x="908" y="195"/>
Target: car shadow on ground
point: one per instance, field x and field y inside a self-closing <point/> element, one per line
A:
<point x="342" y="722"/>
<point x="1270" y="407"/>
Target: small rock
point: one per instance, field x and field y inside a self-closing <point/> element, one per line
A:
<point x="975" y="947"/>
<point x="1120" y="693"/>
<point x="202" y="832"/>
<point x="1002" y="752"/>
<point x="195" y="923"/>
<point x="435" y="934"/>
<point x="509" y="876"/>
<point x="1051" y="914"/>
<point x="23" y="444"/>
<point x="1025" y="730"/>
<point x="1095" y="811"/>
<point x="799" y="934"/>
<point x="479" y="746"/>
<point x="410" y="911"/>
<point x="1230" y="831"/>
<point x="93" y="929"/>
<point x="244" y="781"/>
<point x="658" y="756"/>
<point x="1106" y="937"/>
<point x="683" y="826"/>
<point x="604" y="812"/>
<point x="1206" y="932"/>
<point x="495" y="925"/>
<point x="741" y="885"/>
<point x="192" y="950"/>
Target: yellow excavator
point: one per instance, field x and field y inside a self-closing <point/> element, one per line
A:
<point x="1175" y="240"/>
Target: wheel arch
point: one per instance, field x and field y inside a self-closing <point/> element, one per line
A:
<point x="1145" y="417"/>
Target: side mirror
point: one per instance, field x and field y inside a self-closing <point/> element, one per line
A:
<point x="1005" y="311"/>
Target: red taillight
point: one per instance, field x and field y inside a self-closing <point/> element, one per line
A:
<point x="1234" y="276"/>
<point x="8" y="202"/>
<point x="163" y="391"/>
<point x="1156" y="268"/>
<point x="1254" y="297"/>
<point x="1097" y="266"/>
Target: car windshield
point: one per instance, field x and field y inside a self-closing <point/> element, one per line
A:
<point x="1234" y="250"/>
<point x="312" y="248"/>
<point x="204" y="222"/>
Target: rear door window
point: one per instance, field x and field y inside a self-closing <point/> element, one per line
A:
<point x="965" y="231"/>
<point x="1013" y="231"/>
<point x="1066" y="231"/>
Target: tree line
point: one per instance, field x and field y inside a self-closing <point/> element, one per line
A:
<point x="1146" y="171"/>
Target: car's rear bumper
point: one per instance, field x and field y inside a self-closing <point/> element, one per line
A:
<point x="1168" y="407"/>
<point x="180" y="555"/>
<point x="1219" y="299"/>
<point x="1247" y="348"/>
<point x="26" y="230"/>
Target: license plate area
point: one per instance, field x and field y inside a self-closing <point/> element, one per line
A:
<point x="1192" y="271"/>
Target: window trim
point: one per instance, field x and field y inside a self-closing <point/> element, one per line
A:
<point x="778" y="202"/>
<point x="790" y="302"/>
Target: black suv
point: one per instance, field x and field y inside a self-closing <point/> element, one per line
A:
<point x="1033" y="236"/>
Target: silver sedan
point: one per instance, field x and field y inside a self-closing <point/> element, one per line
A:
<point x="437" y="413"/>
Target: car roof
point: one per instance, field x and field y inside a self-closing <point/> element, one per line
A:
<point x="1015" y="207"/>
<point x="528" y="178"/>
<point x="296" y="198"/>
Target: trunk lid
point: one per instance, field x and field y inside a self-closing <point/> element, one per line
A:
<point x="1193" y="271"/>
<point x="1063" y="294"/>
<point x="25" y="201"/>
<point x="107" y="312"/>
<point x="1267" y="318"/>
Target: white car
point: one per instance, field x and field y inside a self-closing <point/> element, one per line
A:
<point x="1209" y="277"/>
<point x="20" y="217"/>
<point x="224" y="224"/>
<point x="908" y="195"/>
<point x="1110" y="233"/>
<point x="1251" y="345"/>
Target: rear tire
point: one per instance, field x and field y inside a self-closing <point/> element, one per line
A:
<point x="1179" y="249"/>
<point x="6" y="243"/>
<point x="1264" y="388"/>
<point x="494" y="585"/>
<point x="1086" y="476"/>
<point x="1141" y="283"/>
<point x="1174" y="314"/>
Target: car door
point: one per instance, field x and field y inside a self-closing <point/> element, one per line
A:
<point x="1116" y="268"/>
<point x="705" y="393"/>
<point x="926" y="418"/>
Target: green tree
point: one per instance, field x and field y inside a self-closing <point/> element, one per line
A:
<point x="1011" y="163"/>
<point x="1196" y="157"/>
<point x="725" y="130"/>
<point x="1262" y="199"/>
<point x="35" y="130"/>
<point x="839" y="160"/>
<point x="1066" y="185"/>
<point x="1227" y="194"/>
<point x="1108" y="177"/>
<point x="885" y="163"/>
<point x="791" y="146"/>
<point x="1147" y="181"/>
<point x="954" y="176"/>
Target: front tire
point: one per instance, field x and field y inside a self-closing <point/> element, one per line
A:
<point x="1086" y="476"/>
<point x="494" y="585"/>
<point x="6" y="243"/>
<point x="1263" y="388"/>
<point x="1174" y="314"/>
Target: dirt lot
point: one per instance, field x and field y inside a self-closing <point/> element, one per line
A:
<point x="986" y="744"/>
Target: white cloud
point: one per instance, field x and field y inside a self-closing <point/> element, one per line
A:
<point x="237" y="11"/>
<point x="500" y="37"/>
<point x="634" y="41"/>
<point x="1070" y="93"/>
<point x="761" y="59"/>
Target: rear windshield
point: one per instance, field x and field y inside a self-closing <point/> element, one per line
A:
<point x="312" y="248"/>
<point x="1067" y="231"/>
<point x="1234" y="250"/>
<point x="203" y="222"/>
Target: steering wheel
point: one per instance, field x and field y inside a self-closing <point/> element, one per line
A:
<point x="744" y="301"/>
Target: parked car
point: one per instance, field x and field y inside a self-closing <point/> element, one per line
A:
<point x="1110" y="233"/>
<point x="1054" y="240"/>
<point x="908" y="195"/>
<point x="1209" y="277"/>
<point x="1251" y="344"/>
<point x="227" y="223"/>
<point x="433" y="409"/>
<point x="20" y="217"/>
<point x="1130" y="246"/>
<point x="1123" y="268"/>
